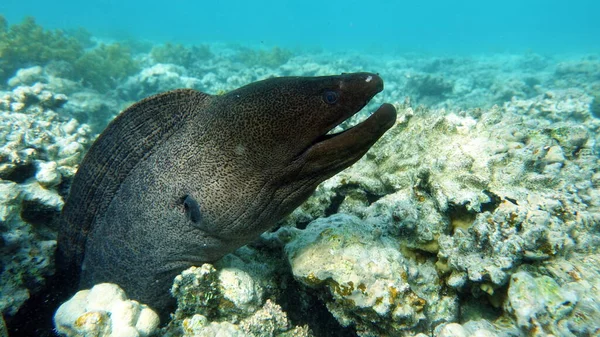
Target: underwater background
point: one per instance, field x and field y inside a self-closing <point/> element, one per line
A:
<point x="477" y="214"/>
<point x="467" y="26"/>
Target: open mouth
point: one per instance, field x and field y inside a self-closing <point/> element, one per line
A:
<point x="332" y="133"/>
<point x="383" y="114"/>
<point x="332" y="153"/>
<point x="382" y="118"/>
<point x="345" y="124"/>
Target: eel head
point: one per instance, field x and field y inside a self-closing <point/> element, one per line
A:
<point x="287" y="142"/>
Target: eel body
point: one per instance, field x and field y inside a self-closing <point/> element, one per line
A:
<point x="183" y="178"/>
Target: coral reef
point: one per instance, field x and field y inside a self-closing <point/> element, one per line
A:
<point x="84" y="105"/>
<point x="156" y="79"/>
<point x="27" y="76"/>
<point x="39" y="155"/>
<point x="368" y="282"/>
<point x="429" y="85"/>
<point x="180" y="55"/>
<point x="505" y="188"/>
<point x="584" y="66"/>
<point x="105" y="66"/>
<point x="3" y="329"/>
<point x="595" y="105"/>
<point x="539" y="301"/>
<point x="104" y="310"/>
<point x="229" y="301"/>
<point x="474" y="82"/>
<point x="266" y="58"/>
<point x="556" y="298"/>
<point x="28" y="44"/>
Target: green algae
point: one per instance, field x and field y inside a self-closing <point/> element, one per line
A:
<point x="430" y="85"/>
<point x="28" y="44"/>
<point x="595" y="105"/>
<point x="197" y="292"/>
<point x="82" y="35"/>
<point x="103" y="67"/>
<point x="539" y="301"/>
<point x="3" y="25"/>
<point x="267" y="58"/>
<point x="341" y="289"/>
<point x="180" y="54"/>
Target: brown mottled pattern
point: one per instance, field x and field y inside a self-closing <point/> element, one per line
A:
<point x="129" y="138"/>
<point x="244" y="160"/>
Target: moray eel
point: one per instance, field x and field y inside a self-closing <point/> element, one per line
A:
<point x="183" y="177"/>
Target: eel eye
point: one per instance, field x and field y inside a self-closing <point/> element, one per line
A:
<point x="330" y="97"/>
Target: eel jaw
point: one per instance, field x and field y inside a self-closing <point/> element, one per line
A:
<point x="333" y="153"/>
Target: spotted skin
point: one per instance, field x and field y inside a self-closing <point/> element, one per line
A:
<point x="183" y="178"/>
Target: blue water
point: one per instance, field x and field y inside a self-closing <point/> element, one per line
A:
<point x="470" y="26"/>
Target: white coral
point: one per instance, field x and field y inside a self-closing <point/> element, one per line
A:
<point x="104" y="311"/>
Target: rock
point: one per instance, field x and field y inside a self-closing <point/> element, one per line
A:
<point x="362" y="277"/>
<point x="532" y="299"/>
<point x="47" y="174"/>
<point x="27" y="76"/>
<point x="155" y="79"/>
<point x="227" y="302"/>
<point x="452" y="330"/>
<point x="199" y="326"/>
<point x="554" y="155"/>
<point x="239" y="288"/>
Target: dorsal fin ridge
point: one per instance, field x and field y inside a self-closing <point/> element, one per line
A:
<point x="130" y="137"/>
